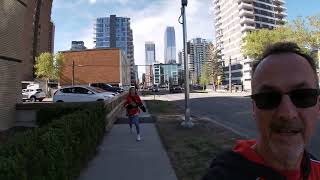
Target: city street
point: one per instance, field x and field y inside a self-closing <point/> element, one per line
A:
<point x="232" y="111"/>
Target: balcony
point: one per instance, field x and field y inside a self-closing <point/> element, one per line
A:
<point x="243" y="5"/>
<point x="247" y="27"/>
<point x="279" y="2"/>
<point x="248" y="1"/>
<point x="281" y="15"/>
<point x="217" y="12"/>
<point x="245" y="19"/>
<point x="218" y="23"/>
<point x="281" y="22"/>
<point x="280" y="8"/>
<point x="219" y="35"/>
<point x="216" y="7"/>
<point x="217" y="18"/>
<point x="247" y="12"/>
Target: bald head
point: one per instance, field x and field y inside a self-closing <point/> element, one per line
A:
<point x="282" y="72"/>
<point x="279" y="52"/>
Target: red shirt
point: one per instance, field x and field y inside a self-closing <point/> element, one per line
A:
<point x="244" y="148"/>
<point x="135" y="101"/>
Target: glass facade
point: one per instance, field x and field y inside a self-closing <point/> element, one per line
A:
<point x="150" y="49"/>
<point x="170" y="45"/>
<point x="166" y="74"/>
<point x="121" y="28"/>
<point x="115" y="32"/>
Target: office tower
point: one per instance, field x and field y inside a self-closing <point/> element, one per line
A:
<point x="169" y="45"/>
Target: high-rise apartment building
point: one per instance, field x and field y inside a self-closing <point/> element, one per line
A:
<point x="166" y="74"/>
<point x="150" y="50"/>
<point x="52" y="30"/>
<point x="198" y="48"/>
<point x="169" y="45"/>
<point x="180" y="57"/>
<point x="77" y="45"/>
<point x="38" y="34"/>
<point x="233" y="19"/>
<point x="115" y="32"/>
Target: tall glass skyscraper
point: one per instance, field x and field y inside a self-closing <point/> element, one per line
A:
<point x="150" y="49"/>
<point x="170" y="45"/>
<point x="115" y="32"/>
<point x="150" y="53"/>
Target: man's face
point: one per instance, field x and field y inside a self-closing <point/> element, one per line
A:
<point x="286" y="129"/>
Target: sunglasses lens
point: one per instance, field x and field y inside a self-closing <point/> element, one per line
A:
<point x="268" y="100"/>
<point x="304" y="98"/>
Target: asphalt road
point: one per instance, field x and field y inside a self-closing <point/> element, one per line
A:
<point x="233" y="113"/>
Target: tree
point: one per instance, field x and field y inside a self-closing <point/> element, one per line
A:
<point x="204" y="77"/>
<point x="48" y="66"/>
<point x="303" y="31"/>
<point x="255" y="41"/>
<point x="213" y="65"/>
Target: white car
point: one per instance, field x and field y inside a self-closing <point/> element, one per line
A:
<point x="81" y="94"/>
<point x="33" y="95"/>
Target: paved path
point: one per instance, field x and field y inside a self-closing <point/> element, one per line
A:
<point x="121" y="157"/>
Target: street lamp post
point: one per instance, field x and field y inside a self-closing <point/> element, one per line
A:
<point x="187" y="121"/>
<point x="230" y="78"/>
<point x="72" y="72"/>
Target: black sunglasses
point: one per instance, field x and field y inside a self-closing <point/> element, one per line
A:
<point x="301" y="98"/>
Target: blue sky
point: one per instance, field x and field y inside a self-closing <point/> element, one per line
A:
<point x="74" y="20"/>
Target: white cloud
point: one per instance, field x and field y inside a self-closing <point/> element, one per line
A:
<point x="148" y="23"/>
<point x="92" y="1"/>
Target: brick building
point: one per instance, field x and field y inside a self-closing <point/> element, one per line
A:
<point x="38" y="34"/>
<point x="103" y="65"/>
<point x="11" y="56"/>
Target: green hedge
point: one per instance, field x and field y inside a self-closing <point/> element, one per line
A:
<point x="45" y="115"/>
<point x="57" y="151"/>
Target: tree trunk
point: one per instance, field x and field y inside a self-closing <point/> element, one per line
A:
<point x="47" y="92"/>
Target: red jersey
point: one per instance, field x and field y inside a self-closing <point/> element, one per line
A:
<point x="245" y="149"/>
<point x="134" y="102"/>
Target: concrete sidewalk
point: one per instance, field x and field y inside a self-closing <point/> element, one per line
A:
<point x="121" y="157"/>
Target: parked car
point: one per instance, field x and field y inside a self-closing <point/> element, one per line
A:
<point x="155" y="88"/>
<point x="175" y="89"/>
<point x="33" y="95"/>
<point x="81" y="94"/>
<point x="107" y="87"/>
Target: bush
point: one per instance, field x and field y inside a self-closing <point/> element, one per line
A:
<point x="45" y="115"/>
<point x="57" y="151"/>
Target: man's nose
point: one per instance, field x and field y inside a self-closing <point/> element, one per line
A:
<point x="286" y="109"/>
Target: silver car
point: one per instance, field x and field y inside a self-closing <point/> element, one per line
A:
<point x="33" y="95"/>
<point x="81" y="94"/>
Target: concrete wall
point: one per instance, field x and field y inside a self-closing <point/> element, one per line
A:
<point x="11" y="55"/>
<point x="27" y="113"/>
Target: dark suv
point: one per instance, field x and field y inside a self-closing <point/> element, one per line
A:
<point x="107" y="87"/>
<point x="175" y="89"/>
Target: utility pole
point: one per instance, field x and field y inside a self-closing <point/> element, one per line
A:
<point x="72" y="72"/>
<point x="230" y="88"/>
<point x="187" y="121"/>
